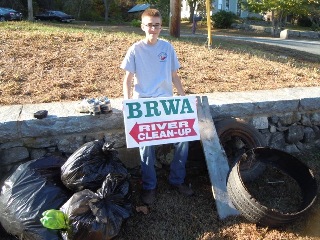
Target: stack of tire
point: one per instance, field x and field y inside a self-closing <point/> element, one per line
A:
<point x="249" y="159"/>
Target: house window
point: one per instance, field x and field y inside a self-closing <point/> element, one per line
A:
<point x="220" y="4"/>
<point x="227" y="5"/>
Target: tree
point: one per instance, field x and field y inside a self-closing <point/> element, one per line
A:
<point x="312" y="11"/>
<point x="175" y="18"/>
<point x="89" y="10"/>
<point x="106" y="4"/>
<point x="30" y="10"/>
<point x="192" y="4"/>
<point x="200" y="5"/>
<point x="162" y="5"/>
<point x="279" y="8"/>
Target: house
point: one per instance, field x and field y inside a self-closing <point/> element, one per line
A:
<point x="218" y="5"/>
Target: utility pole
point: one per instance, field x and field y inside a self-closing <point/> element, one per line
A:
<point x="30" y="10"/>
<point x="175" y="18"/>
<point x="208" y="10"/>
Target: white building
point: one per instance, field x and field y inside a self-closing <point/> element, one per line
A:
<point x="217" y="5"/>
<point x="185" y="9"/>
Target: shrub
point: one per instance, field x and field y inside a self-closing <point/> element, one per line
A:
<point x="136" y="23"/>
<point x="91" y="16"/>
<point x="223" y="19"/>
<point x="304" y="22"/>
<point x="254" y="18"/>
<point x="315" y="27"/>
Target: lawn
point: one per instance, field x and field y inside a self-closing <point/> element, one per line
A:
<point x="42" y="62"/>
<point x="52" y="62"/>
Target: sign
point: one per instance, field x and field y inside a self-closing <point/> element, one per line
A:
<point x="155" y="121"/>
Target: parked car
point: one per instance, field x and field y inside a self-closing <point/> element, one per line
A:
<point x="54" y="16"/>
<point x="8" y="14"/>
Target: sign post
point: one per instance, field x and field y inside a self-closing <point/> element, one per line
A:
<point x="155" y="121"/>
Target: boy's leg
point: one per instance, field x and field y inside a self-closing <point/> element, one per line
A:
<point x="178" y="164"/>
<point x="149" y="177"/>
<point x="178" y="169"/>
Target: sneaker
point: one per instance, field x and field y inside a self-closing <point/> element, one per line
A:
<point x="94" y="108"/>
<point x="148" y="196"/>
<point x="105" y="105"/>
<point x="183" y="189"/>
<point x="90" y="105"/>
<point x="83" y="106"/>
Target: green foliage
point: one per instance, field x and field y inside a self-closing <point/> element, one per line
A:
<point x="315" y="27"/>
<point x="115" y="11"/>
<point x="255" y="18"/>
<point x="304" y="22"/>
<point x="309" y="22"/>
<point x="164" y="7"/>
<point x="223" y="19"/>
<point x="136" y="23"/>
<point x="283" y="8"/>
<point x="91" y="16"/>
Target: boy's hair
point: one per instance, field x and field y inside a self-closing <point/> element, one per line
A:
<point x="151" y="12"/>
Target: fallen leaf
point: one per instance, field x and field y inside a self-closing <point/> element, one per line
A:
<point x="143" y="209"/>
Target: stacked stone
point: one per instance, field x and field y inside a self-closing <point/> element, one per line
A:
<point x="291" y="132"/>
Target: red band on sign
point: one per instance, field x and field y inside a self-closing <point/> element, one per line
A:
<point x="163" y="130"/>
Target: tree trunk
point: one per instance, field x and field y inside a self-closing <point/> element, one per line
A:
<point x="192" y="6"/>
<point x="79" y="10"/>
<point x="275" y="24"/>
<point x="175" y="18"/>
<point x="106" y="4"/>
<point x="30" y="10"/>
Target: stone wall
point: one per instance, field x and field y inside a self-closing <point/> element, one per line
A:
<point x="253" y="28"/>
<point x="291" y="132"/>
<point x="283" y="34"/>
<point x="288" y="118"/>
<point x="288" y="34"/>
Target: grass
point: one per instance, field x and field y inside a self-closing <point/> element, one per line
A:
<point x="42" y="62"/>
<point x="176" y="217"/>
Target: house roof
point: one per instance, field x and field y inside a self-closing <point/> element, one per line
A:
<point x="139" y="8"/>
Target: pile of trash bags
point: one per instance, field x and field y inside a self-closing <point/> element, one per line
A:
<point x="87" y="196"/>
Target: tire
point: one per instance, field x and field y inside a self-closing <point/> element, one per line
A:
<point x="229" y="131"/>
<point x="256" y="212"/>
<point x="237" y="137"/>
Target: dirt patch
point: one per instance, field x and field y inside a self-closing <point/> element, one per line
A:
<point x="277" y="190"/>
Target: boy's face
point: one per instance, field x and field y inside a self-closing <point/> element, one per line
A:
<point x="151" y="26"/>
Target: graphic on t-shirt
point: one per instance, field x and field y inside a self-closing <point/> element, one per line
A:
<point x="162" y="56"/>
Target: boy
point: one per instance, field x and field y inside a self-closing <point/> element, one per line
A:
<point x="152" y="64"/>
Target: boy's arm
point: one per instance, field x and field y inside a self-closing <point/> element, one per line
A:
<point x="127" y="85"/>
<point x="177" y="83"/>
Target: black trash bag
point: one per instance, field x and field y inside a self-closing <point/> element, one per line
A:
<point x="100" y="215"/>
<point x="32" y="188"/>
<point x="89" y="165"/>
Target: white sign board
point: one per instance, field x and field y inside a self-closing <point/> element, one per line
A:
<point x="155" y="121"/>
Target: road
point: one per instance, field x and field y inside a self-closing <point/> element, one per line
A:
<point x="300" y="45"/>
<point x="309" y="46"/>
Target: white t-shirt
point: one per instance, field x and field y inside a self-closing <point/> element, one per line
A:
<point x="152" y="66"/>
